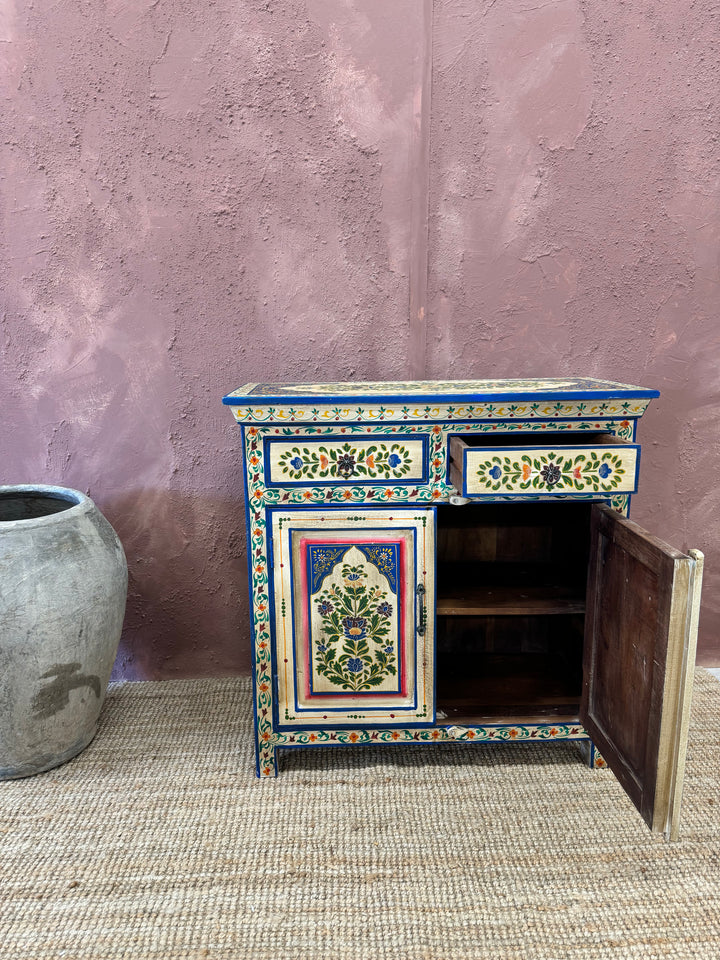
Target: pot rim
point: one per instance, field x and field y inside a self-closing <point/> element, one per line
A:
<point x="80" y="503"/>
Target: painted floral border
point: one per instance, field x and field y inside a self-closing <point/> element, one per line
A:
<point x="324" y="413"/>
<point x="490" y="733"/>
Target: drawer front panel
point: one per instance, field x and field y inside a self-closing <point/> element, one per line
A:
<point x="562" y="470"/>
<point x="396" y="459"/>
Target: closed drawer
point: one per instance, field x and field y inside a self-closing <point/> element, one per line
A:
<point x="563" y="465"/>
<point x="351" y="460"/>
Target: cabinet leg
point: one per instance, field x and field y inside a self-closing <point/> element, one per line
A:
<point x="597" y="761"/>
<point x="267" y="760"/>
<point x="591" y="755"/>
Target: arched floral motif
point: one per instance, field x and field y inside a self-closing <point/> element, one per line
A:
<point x="354" y="650"/>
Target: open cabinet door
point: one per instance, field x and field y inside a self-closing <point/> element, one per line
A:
<point x="640" y="638"/>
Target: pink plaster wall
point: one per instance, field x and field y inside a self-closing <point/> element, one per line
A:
<point x="197" y="195"/>
<point x="575" y="225"/>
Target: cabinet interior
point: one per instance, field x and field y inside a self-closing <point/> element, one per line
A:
<point x="510" y="611"/>
<point x="566" y="438"/>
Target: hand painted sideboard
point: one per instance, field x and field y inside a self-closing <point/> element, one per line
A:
<point x="453" y="561"/>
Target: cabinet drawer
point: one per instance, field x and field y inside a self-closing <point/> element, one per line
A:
<point x="353" y="460"/>
<point x="563" y="465"/>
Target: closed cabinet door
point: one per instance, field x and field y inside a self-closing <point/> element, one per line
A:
<point x="354" y="598"/>
<point x="640" y="638"/>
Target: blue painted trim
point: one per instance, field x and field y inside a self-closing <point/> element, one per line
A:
<point x="253" y="638"/>
<point x="520" y="495"/>
<point x="355" y="481"/>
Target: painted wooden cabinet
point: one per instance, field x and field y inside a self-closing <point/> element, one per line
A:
<point x="432" y="561"/>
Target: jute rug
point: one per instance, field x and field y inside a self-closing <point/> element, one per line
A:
<point x="158" y="842"/>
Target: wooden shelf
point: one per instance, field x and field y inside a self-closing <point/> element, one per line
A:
<point x="507" y="601"/>
<point x="509" y="688"/>
<point x="450" y="714"/>
<point x="506" y="590"/>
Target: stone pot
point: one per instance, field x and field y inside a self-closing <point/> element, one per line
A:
<point x="63" y="587"/>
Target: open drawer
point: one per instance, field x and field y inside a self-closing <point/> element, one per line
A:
<point x="563" y="464"/>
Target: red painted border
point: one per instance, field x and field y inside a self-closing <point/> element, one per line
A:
<point x="303" y="642"/>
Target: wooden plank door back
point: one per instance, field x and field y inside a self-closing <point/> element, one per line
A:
<point x="639" y="654"/>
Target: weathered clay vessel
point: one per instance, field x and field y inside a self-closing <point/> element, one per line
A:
<point x="63" y="587"/>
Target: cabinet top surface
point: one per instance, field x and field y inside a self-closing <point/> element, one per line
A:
<point x="450" y="391"/>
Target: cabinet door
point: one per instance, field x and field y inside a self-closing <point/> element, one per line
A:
<point x="354" y="641"/>
<point x="640" y="638"/>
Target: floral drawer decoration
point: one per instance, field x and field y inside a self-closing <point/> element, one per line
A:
<point x="544" y="471"/>
<point x="358" y="461"/>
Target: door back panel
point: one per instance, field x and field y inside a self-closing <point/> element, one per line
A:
<point x="637" y="645"/>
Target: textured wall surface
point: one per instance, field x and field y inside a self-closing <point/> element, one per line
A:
<point x="575" y="225"/>
<point x="195" y="195"/>
<point x="198" y="195"/>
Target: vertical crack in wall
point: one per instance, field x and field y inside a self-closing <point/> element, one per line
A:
<point x="422" y="84"/>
